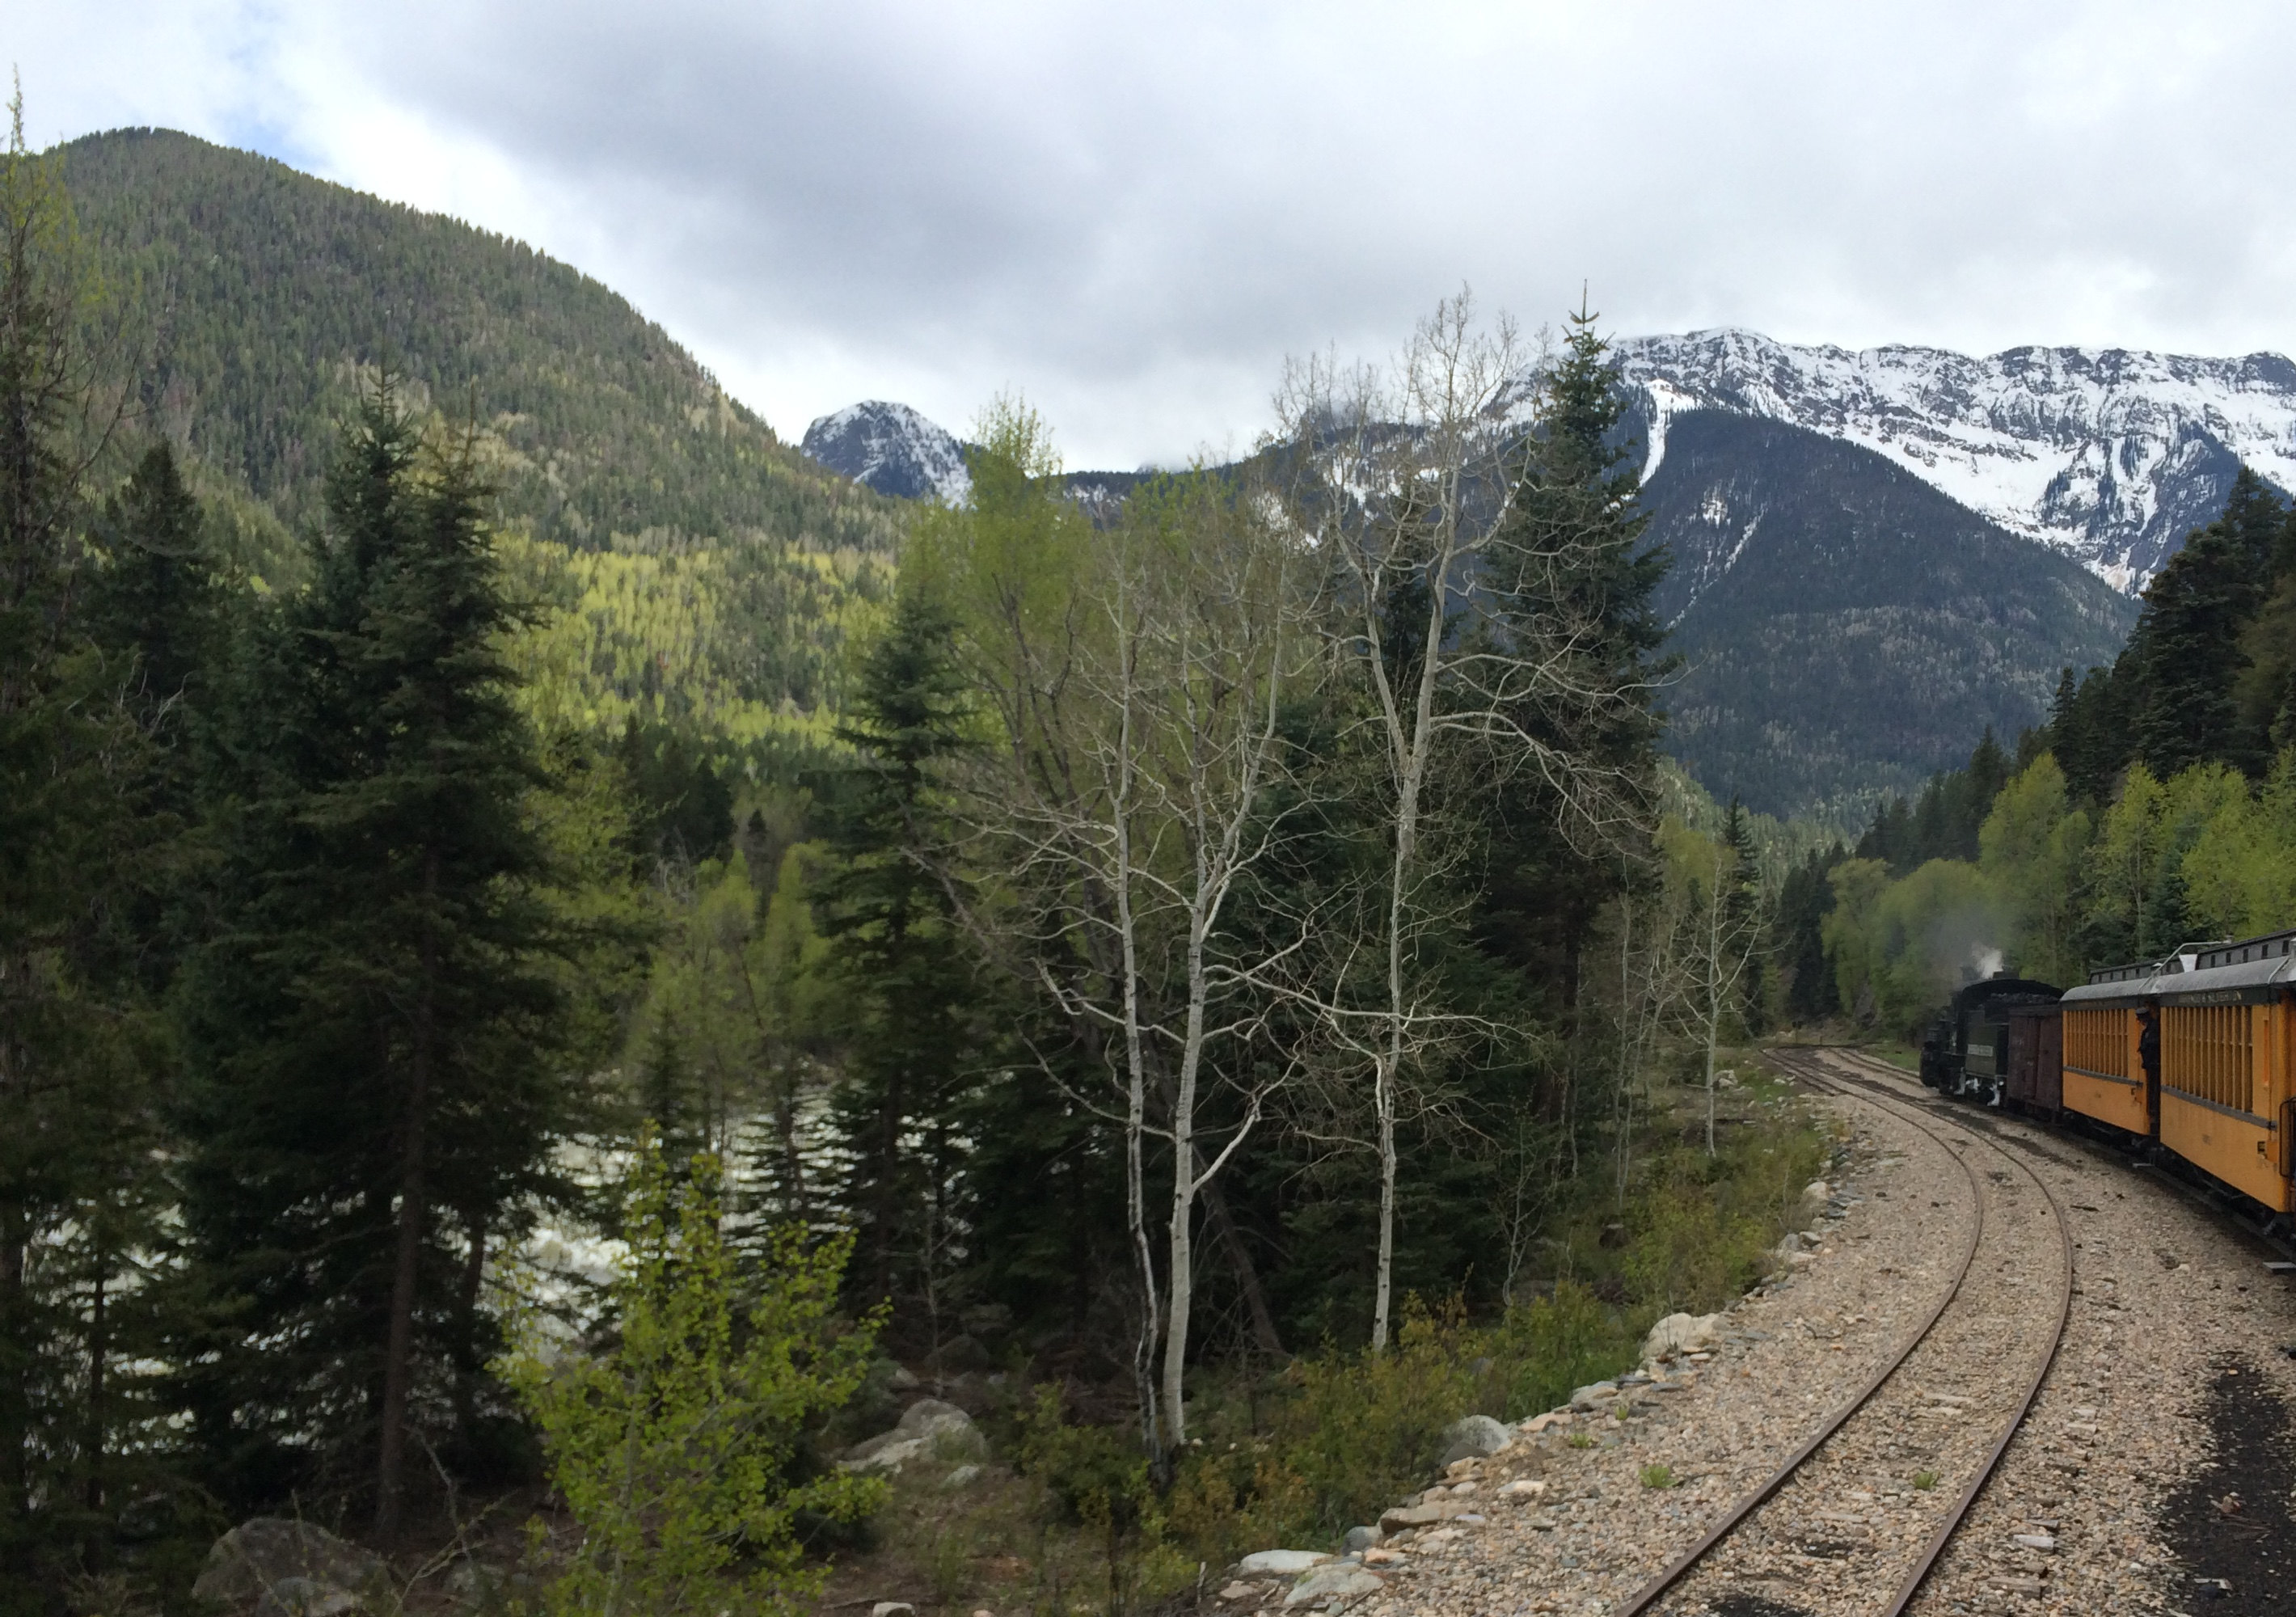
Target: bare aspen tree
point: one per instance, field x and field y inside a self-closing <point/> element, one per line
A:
<point x="1223" y="623"/>
<point x="1650" y="946"/>
<point x="1721" y="939"/>
<point x="1462" y="627"/>
<point x="1140" y="693"/>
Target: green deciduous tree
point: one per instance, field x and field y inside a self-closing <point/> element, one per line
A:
<point x="2034" y="849"/>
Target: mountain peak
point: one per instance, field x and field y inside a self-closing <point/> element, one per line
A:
<point x="892" y="448"/>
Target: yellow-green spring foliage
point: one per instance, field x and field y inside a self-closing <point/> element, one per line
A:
<point x="676" y="1451"/>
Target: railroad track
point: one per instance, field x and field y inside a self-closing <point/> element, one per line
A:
<point x="1947" y="1400"/>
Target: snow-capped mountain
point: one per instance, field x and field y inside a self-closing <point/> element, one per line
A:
<point x="892" y="448"/>
<point x="2110" y="456"/>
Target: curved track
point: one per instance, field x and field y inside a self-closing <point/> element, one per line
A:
<point x="1844" y="1426"/>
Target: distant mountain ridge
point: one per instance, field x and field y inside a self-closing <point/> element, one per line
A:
<point x="2110" y="456"/>
<point x="895" y="450"/>
<point x="1846" y="630"/>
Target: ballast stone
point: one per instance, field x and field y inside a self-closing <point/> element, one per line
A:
<point x="1340" y="1581"/>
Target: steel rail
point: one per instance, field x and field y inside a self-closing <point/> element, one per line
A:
<point x="1921" y="1570"/>
<point x="1676" y="1570"/>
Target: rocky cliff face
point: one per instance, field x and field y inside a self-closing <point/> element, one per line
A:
<point x="2108" y="455"/>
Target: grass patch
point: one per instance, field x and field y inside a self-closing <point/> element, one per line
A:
<point x="1658" y="1476"/>
<point x="1926" y="1479"/>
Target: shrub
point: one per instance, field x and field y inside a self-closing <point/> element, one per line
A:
<point x="1556" y="1343"/>
<point x="675" y="1451"/>
<point x="1096" y="1478"/>
<point x="1360" y="1428"/>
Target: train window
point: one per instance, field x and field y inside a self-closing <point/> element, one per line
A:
<point x="2097" y="1041"/>
<point x="2210" y="1050"/>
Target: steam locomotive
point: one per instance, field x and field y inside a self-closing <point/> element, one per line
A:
<point x="1971" y="1049"/>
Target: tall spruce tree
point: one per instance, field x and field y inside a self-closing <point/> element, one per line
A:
<point x="372" y="1028"/>
<point x="1578" y="494"/>
<point x="886" y="913"/>
<point x="74" y="1107"/>
<point x="2187" y="642"/>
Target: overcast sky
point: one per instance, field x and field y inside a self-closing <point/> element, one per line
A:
<point x="1132" y="213"/>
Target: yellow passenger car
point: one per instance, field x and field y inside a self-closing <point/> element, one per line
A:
<point x="2105" y="1077"/>
<point x="2227" y="1104"/>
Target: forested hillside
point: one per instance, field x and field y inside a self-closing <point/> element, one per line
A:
<point x="711" y="567"/>
<point x="1845" y="629"/>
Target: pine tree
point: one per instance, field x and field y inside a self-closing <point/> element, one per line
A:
<point x="1803" y="902"/>
<point x="75" y="1157"/>
<point x="374" y="1026"/>
<point x="1578" y="495"/>
<point x="886" y="913"/>
<point x="2187" y="641"/>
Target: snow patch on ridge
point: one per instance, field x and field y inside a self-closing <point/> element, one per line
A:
<point x="2108" y="454"/>
<point x="893" y="449"/>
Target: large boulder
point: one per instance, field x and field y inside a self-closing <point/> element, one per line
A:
<point x="309" y="1597"/>
<point x="1282" y="1562"/>
<point x="295" y="1568"/>
<point x="1472" y="1437"/>
<point x="928" y="1428"/>
<point x="1682" y="1334"/>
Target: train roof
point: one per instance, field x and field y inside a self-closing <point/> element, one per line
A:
<point x="2217" y="970"/>
<point x="2226" y="974"/>
<point x="2002" y="986"/>
<point x="2129" y="984"/>
<point x="2240" y="953"/>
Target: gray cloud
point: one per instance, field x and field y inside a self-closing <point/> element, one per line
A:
<point x="1133" y="214"/>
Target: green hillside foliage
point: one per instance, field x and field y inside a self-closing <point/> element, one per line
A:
<point x="704" y="636"/>
<point x="711" y="573"/>
<point x="2156" y="807"/>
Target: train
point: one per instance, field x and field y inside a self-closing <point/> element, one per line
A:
<point x="2189" y="1057"/>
